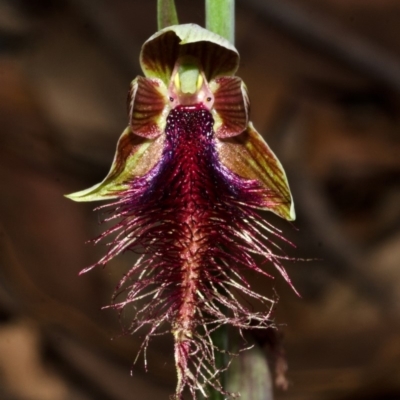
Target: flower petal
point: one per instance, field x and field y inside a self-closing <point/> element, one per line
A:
<point x="135" y="157"/>
<point x="250" y="157"/>
<point x="148" y="107"/>
<point x="231" y="106"/>
<point x="216" y="55"/>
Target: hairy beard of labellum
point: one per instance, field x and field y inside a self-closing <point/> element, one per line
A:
<point x="195" y="227"/>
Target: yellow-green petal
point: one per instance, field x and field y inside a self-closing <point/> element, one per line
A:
<point x="135" y="156"/>
<point x="249" y="156"/>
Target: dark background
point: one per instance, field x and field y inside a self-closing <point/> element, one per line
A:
<point x="324" y="83"/>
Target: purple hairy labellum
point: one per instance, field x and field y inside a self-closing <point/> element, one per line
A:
<point x="189" y="176"/>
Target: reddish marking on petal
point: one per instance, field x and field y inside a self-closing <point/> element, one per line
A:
<point x="146" y="106"/>
<point x="231" y="105"/>
<point x="159" y="55"/>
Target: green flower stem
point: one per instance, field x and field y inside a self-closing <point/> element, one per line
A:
<point x="220" y="339"/>
<point x="166" y="13"/>
<point x="220" y="18"/>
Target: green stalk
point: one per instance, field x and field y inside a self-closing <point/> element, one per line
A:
<point x="220" y="339"/>
<point x="220" y="18"/>
<point x="166" y="13"/>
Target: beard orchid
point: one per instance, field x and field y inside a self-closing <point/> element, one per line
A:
<point x="189" y="176"/>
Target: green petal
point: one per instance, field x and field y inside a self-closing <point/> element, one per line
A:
<point x="135" y="156"/>
<point x="216" y="55"/>
<point x="231" y="106"/>
<point x="148" y="107"/>
<point x="250" y="157"/>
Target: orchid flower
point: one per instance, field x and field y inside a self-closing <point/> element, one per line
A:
<point x="189" y="176"/>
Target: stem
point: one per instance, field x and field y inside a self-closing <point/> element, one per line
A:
<point x="220" y="18"/>
<point x="166" y="13"/>
<point x="220" y="339"/>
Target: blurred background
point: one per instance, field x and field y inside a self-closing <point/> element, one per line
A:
<point x="324" y="83"/>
